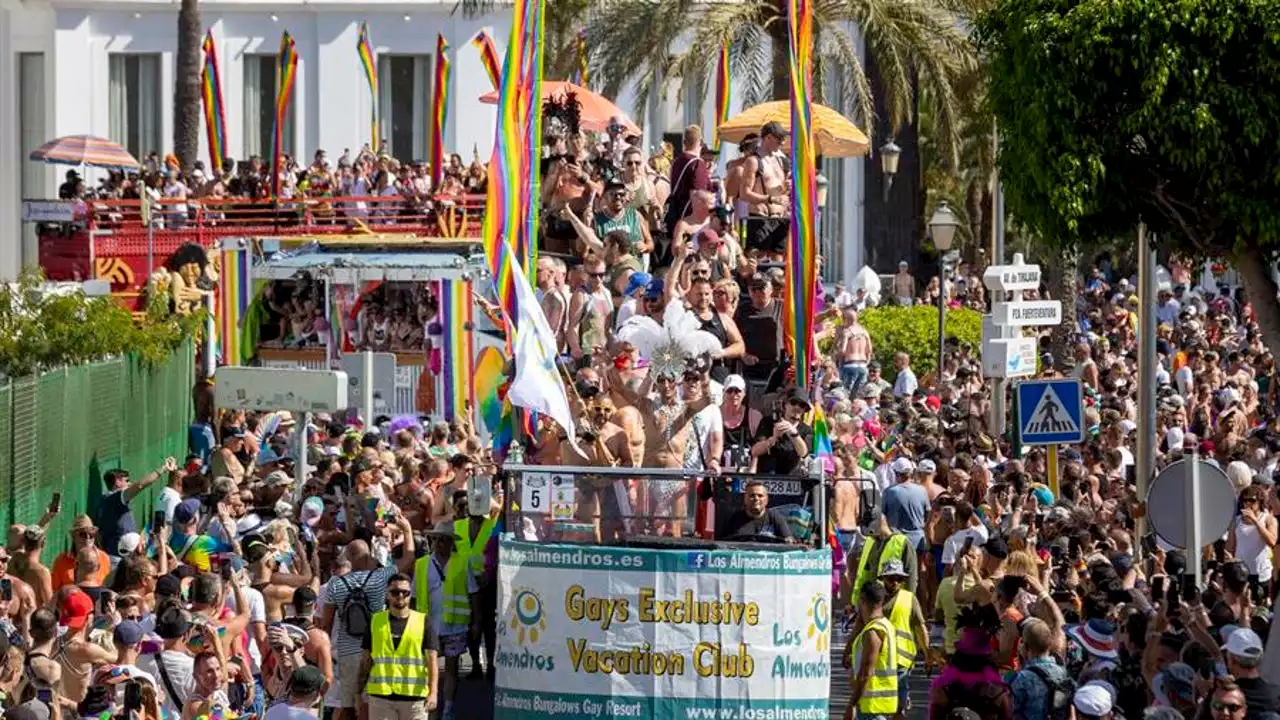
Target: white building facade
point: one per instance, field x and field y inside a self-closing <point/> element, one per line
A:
<point x="106" y="68"/>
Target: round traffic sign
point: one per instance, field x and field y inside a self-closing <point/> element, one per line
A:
<point x="1167" y="502"/>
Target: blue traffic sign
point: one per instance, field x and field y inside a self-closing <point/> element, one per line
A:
<point x="1050" y="412"/>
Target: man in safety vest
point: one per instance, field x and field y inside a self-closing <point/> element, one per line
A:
<point x="398" y="671"/>
<point x="878" y="550"/>
<point x="471" y="537"/>
<point x="910" y="633"/>
<point x="874" y="653"/>
<point x="442" y="592"/>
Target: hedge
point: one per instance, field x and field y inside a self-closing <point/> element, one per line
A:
<point x="914" y="330"/>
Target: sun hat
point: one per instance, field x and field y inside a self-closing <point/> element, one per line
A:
<point x="1097" y="637"/>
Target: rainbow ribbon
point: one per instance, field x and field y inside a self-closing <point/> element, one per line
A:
<point x="215" y="114"/>
<point x="802" y="250"/>
<point x="457" y="354"/>
<point x="583" y="78"/>
<point x="233" y="303"/>
<point x="722" y="94"/>
<point x="439" y="111"/>
<point x="488" y="57"/>
<point x="287" y="68"/>
<point x="510" y="213"/>
<point x="368" y="60"/>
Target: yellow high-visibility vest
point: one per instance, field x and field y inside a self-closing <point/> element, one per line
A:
<point x="422" y="584"/>
<point x="900" y="618"/>
<point x="892" y="551"/>
<point x="457" y="601"/>
<point x="473" y="551"/>
<point x="398" y="670"/>
<point x="880" y="694"/>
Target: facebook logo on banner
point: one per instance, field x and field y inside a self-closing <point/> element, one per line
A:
<point x="697" y="560"/>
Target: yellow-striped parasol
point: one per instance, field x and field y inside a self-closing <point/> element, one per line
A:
<point x="837" y="136"/>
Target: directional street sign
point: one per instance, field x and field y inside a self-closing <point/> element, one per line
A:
<point x="1167" y="502"/>
<point x="1050" y="412"/>
<point x="1009" y="357"/>
<point x="1024" y="313"/>
<point x="1012" y="278"/>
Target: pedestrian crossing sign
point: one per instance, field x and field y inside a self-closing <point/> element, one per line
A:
<point x="1050" y="412"/>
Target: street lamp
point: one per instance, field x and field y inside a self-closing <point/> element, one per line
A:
<point x="942" y="227"/>
<point x="823" y="184"/>
<point x="889" y="154"/>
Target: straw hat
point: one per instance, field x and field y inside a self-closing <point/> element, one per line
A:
<point x="82" y="522"/>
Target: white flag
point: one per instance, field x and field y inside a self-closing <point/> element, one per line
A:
<point x="538" y="385"/>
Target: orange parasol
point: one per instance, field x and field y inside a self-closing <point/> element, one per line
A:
<point x="597" y="110"/>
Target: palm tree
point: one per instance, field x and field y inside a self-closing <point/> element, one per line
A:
<point x="186" y="85"/>
<point x="564" y="20"/>
<point x="962" y="174"/>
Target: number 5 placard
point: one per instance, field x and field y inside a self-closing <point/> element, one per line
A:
<point x="535" y="492"/>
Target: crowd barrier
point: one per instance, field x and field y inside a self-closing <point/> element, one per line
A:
<point x="62" y="430"/>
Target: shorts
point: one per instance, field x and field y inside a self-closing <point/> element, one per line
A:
<point x="453" y="645"/>
<point x="847" y="538"/>
<point x="349" y="677"/>
<point x="384" y="709"/>
<point x="937" y="563"/>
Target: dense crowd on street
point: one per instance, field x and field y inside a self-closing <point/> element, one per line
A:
<point x="362" y="590"/>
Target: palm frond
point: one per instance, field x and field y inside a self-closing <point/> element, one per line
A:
<point x="630" y="40"/>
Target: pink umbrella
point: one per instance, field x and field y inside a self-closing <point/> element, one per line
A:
<point x="597" y="110"/>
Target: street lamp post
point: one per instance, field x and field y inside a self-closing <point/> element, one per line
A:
<point x="889" y="154"/>
<point x="942" y="226"/>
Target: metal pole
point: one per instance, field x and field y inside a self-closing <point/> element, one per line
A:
<point x="366" y="389"/>
<point x="819" y="501"/>
<point x="300" y="455"/>
<point x="942" y="315"/>
<point x="210" y="361"/>
<point x="1146" y="372"/>
<point x="151" y="249"/>
<point x="1195" y="547"/>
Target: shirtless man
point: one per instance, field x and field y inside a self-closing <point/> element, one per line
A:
<point x="23" y="601"/>
<point x="555" y="301"/>
<point x="667" y="427"/>
<point x="764" y="185"/>
<point x="602" y="444"/>
<point x="33" y="572"/>
<point x="734" y="175"/>
<point x="435" y="496"/>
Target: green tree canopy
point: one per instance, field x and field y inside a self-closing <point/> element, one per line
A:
<point x="1168" y="111"/>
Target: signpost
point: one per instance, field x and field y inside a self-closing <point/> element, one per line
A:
<point x="1005" y="353"/>
<point x="1188" y="501"/>
<point x="1012" y="278"/>
<point x="1025" y="313"/>
<point x="1009" y="358"/>
<point x="372" y="379"/>
<point x="302" y="391"/>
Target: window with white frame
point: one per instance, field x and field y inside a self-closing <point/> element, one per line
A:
<point x="404" y="104"/>
<point x="261" y="86"/>
<point x="134" y="103"/>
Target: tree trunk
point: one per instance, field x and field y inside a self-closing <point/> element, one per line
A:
<point x="186" y="90"/>
<point x="780" y="34"/>
<point x="1064" y="285"/>
<point x="1255" y="269"/>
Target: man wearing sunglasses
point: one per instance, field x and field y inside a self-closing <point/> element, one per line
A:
<point x="617" y="214"/>
<point x="398" y="670"/>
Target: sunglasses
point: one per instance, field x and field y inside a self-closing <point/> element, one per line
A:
<point x="732" y="390"/>
<point x="702" y="273"/>
<point x="1233" y="708"/>
<point x="598" y="275"/>
<point x="397" y="592"/>
<point x="634" y="163"/>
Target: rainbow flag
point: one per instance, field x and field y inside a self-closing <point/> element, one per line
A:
<point x="457" y="354"/>
<point x="583" y="75"/>
<point x="234" y="287"/>
<point x="489" y="379"/>
<point x="722" y="94"/>
<point x="287" y="67"/>
<point x="215" y="114"/>
<point x="821" y="437"/>
<point x="369" y="61"/>
<point x="509" y="213"/>
<point x="439" y="111"/>
<point x="802" y="250"/>
<point x="488" y="57"/>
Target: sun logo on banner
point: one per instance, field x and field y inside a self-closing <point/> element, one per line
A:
<point x="528" y="619"/>
<point x="819" y="615"/>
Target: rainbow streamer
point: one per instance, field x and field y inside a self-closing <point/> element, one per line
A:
<point x="287" y="67"/>
<point x="439" y="111"/>
<point x="488" y="380"/>
<point x="722" y="94"/>
<point x="234" y="286"/>
<point x="583" y="76"/>
<point x="510" y="213"/>
<point x="457" y="356"/>
<point x="488" y="57"/>
<point x="215" y="114"/>
<point x="802" y="250"/>
<point x="821" y="437"/>
<point x="368" y="60"/>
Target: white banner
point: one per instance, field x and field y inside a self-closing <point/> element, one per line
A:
<point x="598" y="632"/>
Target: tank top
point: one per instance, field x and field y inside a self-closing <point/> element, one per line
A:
<point x="595" y="318"/>
<point x="628" y="222"/>
<point x="1251" y="549"/>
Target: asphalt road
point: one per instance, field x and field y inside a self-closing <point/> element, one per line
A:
<point x="475" y="697"/>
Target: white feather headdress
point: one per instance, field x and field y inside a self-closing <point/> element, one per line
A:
<point x="669" y="347"/>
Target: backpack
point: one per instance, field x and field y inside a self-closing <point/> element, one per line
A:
<point x="356" y="611"/>
<point x="1058" y="703"/>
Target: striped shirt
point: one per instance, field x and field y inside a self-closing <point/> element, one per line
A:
<point x="375" y="590"/>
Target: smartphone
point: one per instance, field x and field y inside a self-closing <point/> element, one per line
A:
<point x="968" y="543"/>
<point x="55" y="505"/>
<point x="1171" y="595"/>
<point x="226" y="571"/>
<point x="1157" y="587"/>
<point x="45" y="695"/>
<point x="158" y="520"/>
<point x="6" y="589"/>
<point x="1190" y="593"/>
<point x="133" y="696"/>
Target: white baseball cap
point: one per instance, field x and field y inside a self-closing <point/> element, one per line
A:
<point x="1245" y="643"/>
<point x="735" y="382"/>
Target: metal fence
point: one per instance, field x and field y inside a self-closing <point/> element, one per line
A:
<point x="62" y="430"/>
<point x="611" y="506"/>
